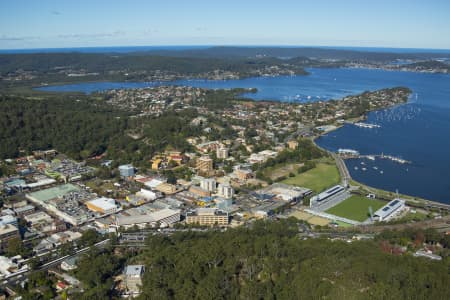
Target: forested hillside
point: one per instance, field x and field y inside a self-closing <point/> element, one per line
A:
<point x="270" y="261"/>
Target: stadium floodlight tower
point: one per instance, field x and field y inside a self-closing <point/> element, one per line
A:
<point x="371" y="213"/>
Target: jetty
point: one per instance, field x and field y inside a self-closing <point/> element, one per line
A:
<point x="366" y="125"/>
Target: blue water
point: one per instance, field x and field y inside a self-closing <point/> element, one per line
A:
<point x="418" y="131"/>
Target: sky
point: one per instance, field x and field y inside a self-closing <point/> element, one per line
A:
<point x="93" y="23"/>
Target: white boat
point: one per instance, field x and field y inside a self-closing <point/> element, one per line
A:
<point x="356" y="168"/>
<point x="381" y="172"/>
<point x="375" y="168"/>
<point x="364" y="169"/>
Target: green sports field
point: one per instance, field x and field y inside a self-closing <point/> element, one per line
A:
<point x="323" y="176"/>
<point x="356" y="208"/>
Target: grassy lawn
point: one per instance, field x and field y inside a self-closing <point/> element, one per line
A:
<point x="280" y="170"/>
<point x="318" y="179"/>
<point x="356" y="208"/>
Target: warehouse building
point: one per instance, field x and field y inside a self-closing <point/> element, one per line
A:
<point x="105" y="206"/>
<point x="163" y="217"/>
<point x="283" y="192"/>
<point x="126" y="171"/>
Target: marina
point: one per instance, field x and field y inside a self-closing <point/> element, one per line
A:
<point x="351" y="153"/>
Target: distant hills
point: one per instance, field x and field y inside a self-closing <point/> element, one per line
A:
<point x="290" y="52"/>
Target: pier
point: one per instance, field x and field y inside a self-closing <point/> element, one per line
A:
<point x="350" y="153"/>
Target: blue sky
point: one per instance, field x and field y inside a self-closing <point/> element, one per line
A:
<point x="82" y="23"/>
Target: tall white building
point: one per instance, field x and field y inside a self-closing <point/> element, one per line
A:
<point x="226" y="191"/>
<point x="208" y="184"/>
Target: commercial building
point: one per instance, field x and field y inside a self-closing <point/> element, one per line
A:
<point x="283" y="192"/>
<point x="225" y="190"/>
<point x="103" y="205"/>
<point x="40" y="221"/>
<point x="126" y="171"/>
<point x="24" y="210"/>
<point x="208" y="184"/>
<point x="7" y="233"/>
<point x="390" y="210"/>
<point x="64" y="201"/>
<point x="205" y="164"/>
<point x="163" y="217"/>
<point x="133" y="278"/>
<point x="207" y="216"/>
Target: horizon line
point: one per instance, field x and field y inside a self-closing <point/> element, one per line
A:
<point x="224" y="45"/>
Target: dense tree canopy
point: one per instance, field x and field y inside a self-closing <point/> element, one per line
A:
<point x="77" y="128"/>
<point x="270" y="261"/>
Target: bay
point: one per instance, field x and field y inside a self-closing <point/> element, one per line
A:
<point x="418" y="131"/>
